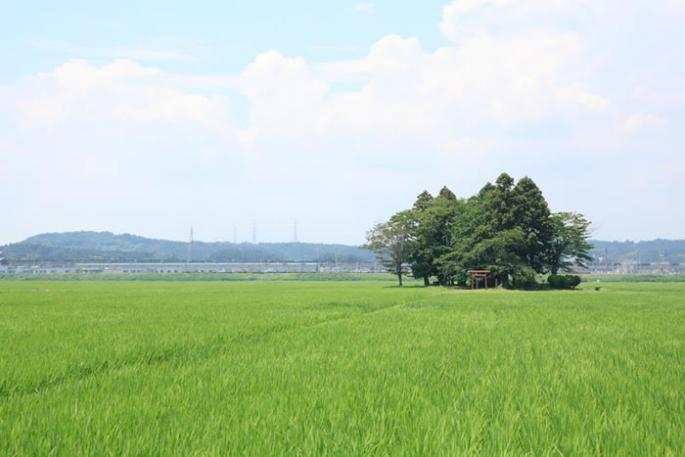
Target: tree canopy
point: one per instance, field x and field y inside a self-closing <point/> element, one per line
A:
<point x="507" y="228"/>
<point x="393" y="242"/>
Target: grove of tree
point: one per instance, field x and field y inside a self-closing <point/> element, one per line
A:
<point x="506" y="228"/>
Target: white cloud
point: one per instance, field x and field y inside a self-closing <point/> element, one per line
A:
<point x="484" y="81"/>
<point x="463" y="18"/>
<point x="78" y="91"/>
<point x="465" y="6"/>
<point x="364" y="8"/>
<point x="641" y="122"/>
<point x="407" y="116"/>
<point x="402" y="91"/>
<point x="158" y="49"/>
<point x="577" y="94"/>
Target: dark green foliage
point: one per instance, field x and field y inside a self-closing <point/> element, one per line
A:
<point x="522" y="206"/>
<point x="498" y="205"/>
<point x="510" y="233"/>
<point x="423" y="201"/>
<point x="433" y="235"/>
<point x="421" y="258"/>
<point x="506" y="228"/>
<point x="563" y="281"/>
<point x="531" y="213"/>
<point x="500" y="255"/>
<point x="446" y="194"/>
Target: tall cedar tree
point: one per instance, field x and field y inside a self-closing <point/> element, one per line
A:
<point x="421" y="255"/>
<point x="433" y="235"/>
<point x="532" y="215"/>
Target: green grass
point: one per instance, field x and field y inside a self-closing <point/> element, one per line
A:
<point x="203" y="277"/>
<point x="333" y="368"/>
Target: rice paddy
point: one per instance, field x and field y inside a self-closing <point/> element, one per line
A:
<point x="339" y="368"/>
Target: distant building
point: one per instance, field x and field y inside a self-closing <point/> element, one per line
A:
<point x="194" y="267"/>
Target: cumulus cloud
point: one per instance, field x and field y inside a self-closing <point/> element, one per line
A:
<point x="498" y="91"/>
<point x="448" y="97"/>
<point x="579" y="95"/>
<point x="641" y="122"/>
<point x="461" y="18"/>
<point x="513" y="79"/>
<point x="364" y="8"/>
<point x="79" y="91"/>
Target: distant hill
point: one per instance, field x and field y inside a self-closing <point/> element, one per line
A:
<point x="108" y="247"/>
<point x="669" y="251"/>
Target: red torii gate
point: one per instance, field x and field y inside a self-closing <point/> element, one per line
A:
<point x="478" y="274"/>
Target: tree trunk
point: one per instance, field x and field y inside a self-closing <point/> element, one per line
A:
<point x="399" y="276"/>
<point x="426" y="281"/>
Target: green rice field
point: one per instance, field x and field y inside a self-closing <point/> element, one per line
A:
<point x="302" y="368"/>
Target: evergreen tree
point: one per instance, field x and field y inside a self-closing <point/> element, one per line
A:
<point x="468" y="230"/>
<point x="498" y="205"/>
<point x="496" y="241"/>
<point x="446" y="194"/>
<point x="499" y="254"/>
<point x="435" y="232"/>
<point x="532" y="215"/>
<point x="423" y="201"/>
<point x="432" y="232"/>
<point x="421" y="255"/>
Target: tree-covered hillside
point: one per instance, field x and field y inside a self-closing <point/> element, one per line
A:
<point x="669" y="251"/>
<point x="108" y="247"/>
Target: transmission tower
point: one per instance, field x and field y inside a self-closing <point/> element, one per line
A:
<point x="190" y="246"/>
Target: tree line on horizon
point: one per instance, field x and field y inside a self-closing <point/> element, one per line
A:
<point x="507" y="228"/>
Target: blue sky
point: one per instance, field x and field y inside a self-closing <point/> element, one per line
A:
<point x="147" y="117"/>
<point x="221" y="36"/>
